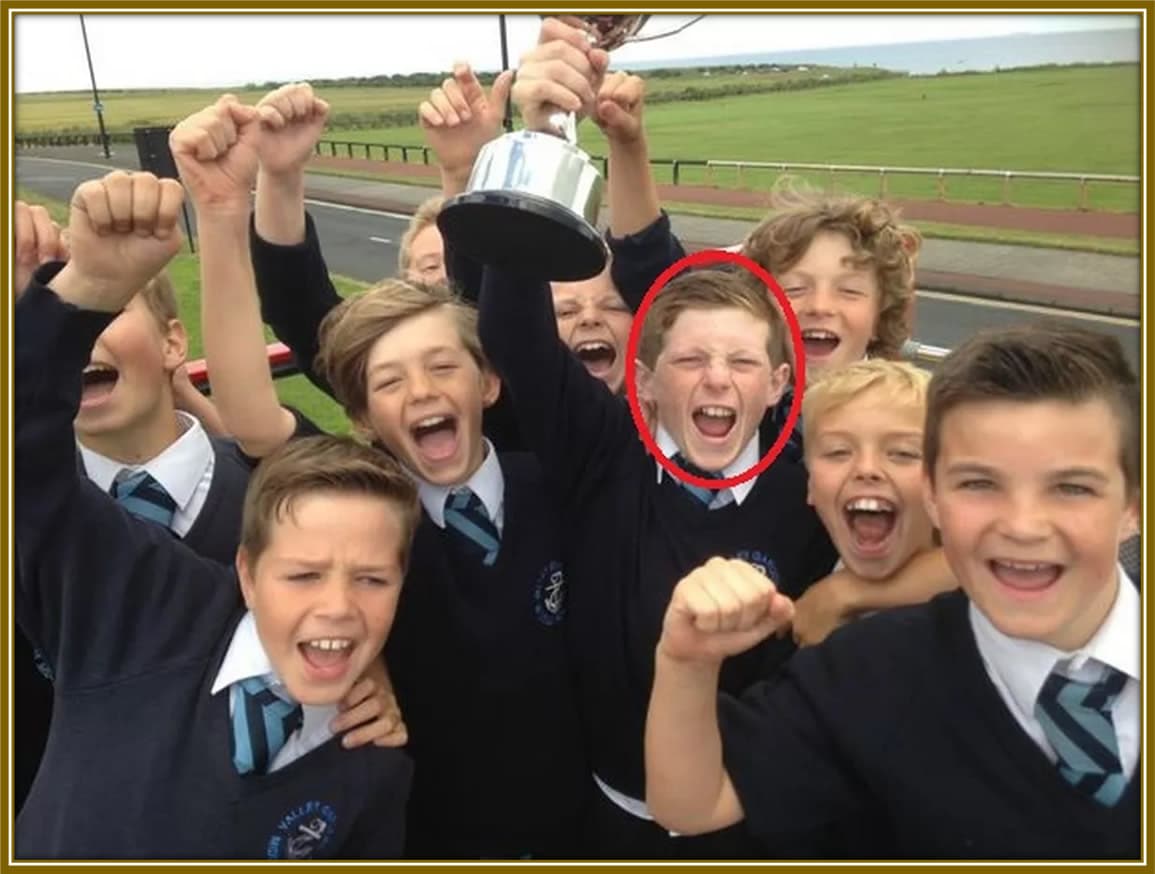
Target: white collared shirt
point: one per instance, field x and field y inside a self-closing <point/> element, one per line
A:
<point x="1018" y="668"/>
<point x="746" y="459"/>
<point x="184" y="469"/>
<point x="487" y="482"/>
<point x="245" y="658"/>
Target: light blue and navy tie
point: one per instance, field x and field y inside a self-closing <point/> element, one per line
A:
<point x="144" y="497"/>
<point x="466" y="517"/>
<point x="262" y="722"/>
<point x="1076" y="718"/>
<point x="712" y="499"/>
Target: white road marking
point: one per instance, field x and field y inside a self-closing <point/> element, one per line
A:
<point x="1058" y="312"/>
<point x="384" y="240"/>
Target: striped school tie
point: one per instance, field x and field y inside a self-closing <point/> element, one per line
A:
<point x="711" y="499"/>
<point x="262" y="722"/>
<point x="1076" y="718"/>
<point x="144" y="497"/>
<point x="466" y="517"/>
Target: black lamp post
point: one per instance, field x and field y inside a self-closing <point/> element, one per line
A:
<point x="508" y="120"/>
<point x="96" y="104"/>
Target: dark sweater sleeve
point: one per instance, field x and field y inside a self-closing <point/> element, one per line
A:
<point x="98" y="591"/>
<point x="569" y="419"/>
<point x="639" y="259"/>
<point x="379" y="832"/>
<point x="296" y="294"/>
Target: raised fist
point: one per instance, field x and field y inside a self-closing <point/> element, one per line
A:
<point x="721" y="609"/>
<point x="122" y="231"/>
<point x="292" y="120"/>
<point x="619" y="105"/>
<point x="38" y="240"/>
<point x="216" y="153"/>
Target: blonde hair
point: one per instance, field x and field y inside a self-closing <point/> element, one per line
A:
<point x="901" y="386"/>
<point x="712" y="290"/>
<point x="878" y="240"/>
<point x="425" y="216"/>
<point x="349" y="331"/>
<point x="159" y="296"/>
<point x="323" y="464"/>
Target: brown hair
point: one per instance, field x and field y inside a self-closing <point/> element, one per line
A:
<point x="159" y="296"/>
<point x="425" y="216"/>
<point x="323" y="464"/>
<point x="903" y="387"/>
<point x="1041" y="362"/>
<point x="878" y="240"/>
<point x="349" y="331"/>
<point x="712" y="290"/>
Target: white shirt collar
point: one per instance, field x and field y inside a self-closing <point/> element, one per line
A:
<point x="1024" y="665"/>
<point x="746" y="459"/>
<point x="487" y="482"/>
<point x="178" y="468"/>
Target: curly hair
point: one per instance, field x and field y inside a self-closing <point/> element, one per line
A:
<point x="872" y="228"/>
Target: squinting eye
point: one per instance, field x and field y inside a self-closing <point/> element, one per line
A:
<point x="1074" y="490"/>
<point x="975" y="485"/>
<point x="373" y="581"/>
<point x="387" y="385"/>
<point x="835" y="454"/>
<point x="304" y="577"/>
<point x="906" y="455"/>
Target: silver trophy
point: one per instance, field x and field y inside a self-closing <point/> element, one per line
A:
<point x="531" y="204"/>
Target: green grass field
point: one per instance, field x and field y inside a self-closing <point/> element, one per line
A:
<point x="184" y="270"/>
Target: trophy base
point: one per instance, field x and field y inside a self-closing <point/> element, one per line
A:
<point x="523" y="233"/>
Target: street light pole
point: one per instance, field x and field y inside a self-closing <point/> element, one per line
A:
<point x="96" y="104"/>
<point x="508" y="120"/>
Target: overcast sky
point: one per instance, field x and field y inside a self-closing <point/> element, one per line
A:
<point x="189" y="50"/>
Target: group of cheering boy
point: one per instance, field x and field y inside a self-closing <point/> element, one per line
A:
<point x="493" y="625"/>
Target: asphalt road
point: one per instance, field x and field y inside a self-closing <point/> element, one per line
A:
<point x="363" y="244"/>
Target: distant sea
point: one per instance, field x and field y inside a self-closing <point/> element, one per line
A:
<point x="951" y="56"/>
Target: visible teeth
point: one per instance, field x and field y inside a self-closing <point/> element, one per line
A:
<point x="594" y="346"/>
<point x="330" y="643"/>
<point x="431" y="421"/>
<point x="1025" y="566"/>
<point x="819" y="334"/>
<point x="870" y="505"/>
<point x="99" y="368"/>
<point x="716" y="412"/>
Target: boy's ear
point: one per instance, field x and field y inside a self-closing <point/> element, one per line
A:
<point x="245" y="575"/>
<point x="779" y="382"/>
<point x="1129" y="525"/>
<point x="645" y="380"/>
<point x="175" y="345"/>
<point x="928" y="500"/>
<point x="490" y="387"/>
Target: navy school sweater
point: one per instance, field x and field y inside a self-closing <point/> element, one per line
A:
<point x="894" y="718"/>
<point x="214" y="535"/>
<point x="135" y="625"/>
<point x="479" y="664"/>
<point x="630" y="540"/>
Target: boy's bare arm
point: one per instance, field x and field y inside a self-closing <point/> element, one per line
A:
<point x="842" y="596"/>
<point x="298" y="117"/>
<point x="633" y="194"/>
<point x="458" y="119"/>
<point x="216" y="153"/>
<point x="187" y="397"/>
<point x="721" y="609"/>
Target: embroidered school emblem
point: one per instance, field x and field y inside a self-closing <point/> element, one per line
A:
<point x="304" y="832"/>
<point x="549" y="595"/>
<point x="762" y="561"/>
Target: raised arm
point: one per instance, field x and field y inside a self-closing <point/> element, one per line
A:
<point x="721" y="609"/>
<point x="292" y="279"/>
<point x="80" y="555"/>
<point x="458" y="119"/>
<point x="216" y="152"/>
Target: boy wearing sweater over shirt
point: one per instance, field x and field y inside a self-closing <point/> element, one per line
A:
<point x="187" y="725"/>
<point x="1001" y="721"/>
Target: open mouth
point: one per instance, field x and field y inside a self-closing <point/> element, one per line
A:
<point x="327" y="657"/>
<point x="99" y="380"/>
<point x="871" y="522"/>
<point x="1025" y="576"/>
<point x="715" y="422"/>
<point x="436" y="437"/>
<point x="597" y="355"/>
<point x="819" y="343"/>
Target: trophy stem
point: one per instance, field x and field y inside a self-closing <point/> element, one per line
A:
<point x="564" y="124"/>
